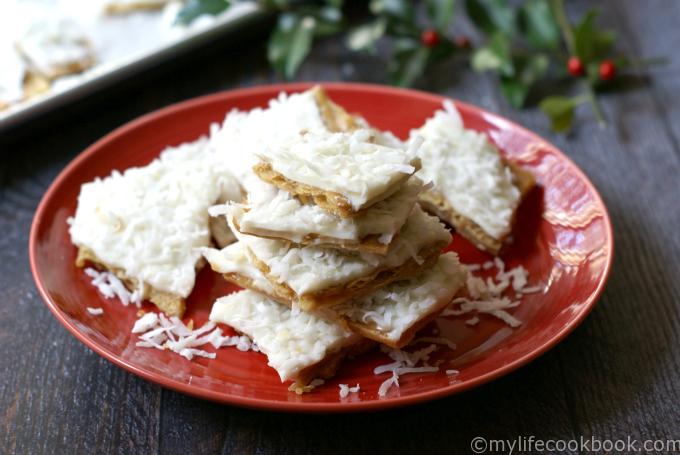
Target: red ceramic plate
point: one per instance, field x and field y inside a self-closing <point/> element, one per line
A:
<point x="563" y="237"/>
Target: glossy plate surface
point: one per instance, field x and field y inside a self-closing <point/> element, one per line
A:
<point x="563" y="237"/>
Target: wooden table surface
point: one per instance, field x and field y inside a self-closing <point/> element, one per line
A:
<point x="616" y="376"/>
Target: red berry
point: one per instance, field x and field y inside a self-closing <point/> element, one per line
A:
<point x="463" y="42"/>
<point x="429" y="38"/>
<point x="575" y="66"/>
<point x="607" y="70"/>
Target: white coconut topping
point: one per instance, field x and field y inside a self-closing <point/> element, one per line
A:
<point x="12" y="74"/>
<point x="150" y="221"/>
<point x="243" y="134"/>
<point x="352" y="164"/>
<point x="278" y="214"/>
<point x="233" y="259"/>
<point x="437" y="340"/>
<point x="110" y="286"/>
<point x="394" y="309"/>
<point x="469" y="171"/>
<point x="95" y="311"/>
<point x="52" y="45"/>
<point x="472" y="321"/>
<point x="404" y="363"/>
<point x="291" y="342"/>
<point x="160" y="332"/>
<point x="311" y="269"/>
<point x="487" y="296"/>
<point x="345" y="390"/>
<point x="145" y="323"/>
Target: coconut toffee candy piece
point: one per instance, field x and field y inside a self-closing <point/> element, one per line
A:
<point x="276" y="214"/>
<point x="56" y="48"/>
<point x="391" y="315"/>
<point x="122" y="7"/>
<point x="147" y="224"/>
<point x="343" y="173"/>
<point x="475" y="189"/>
<point x="240" y="136"/>
<point x="301" y="347"/>
<point x="315" y="277"/>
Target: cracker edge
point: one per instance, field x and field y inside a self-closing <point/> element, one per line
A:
<point x="368" y="244"/>
<point x="170" y="304"/>
<point x="434" y="202"/>
<point x="359" y="287"/>
<point x="372" y="332"/>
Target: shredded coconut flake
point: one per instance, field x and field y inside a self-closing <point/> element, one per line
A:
<point x="345" y="390"/>
<point x="388" y="383"/>
<point x="437" y="340"/>
<point x="160" y="332"/>
<point x="95" y="311"/>
<point x="110" y="286"/>
<point x="145" y="323"/>
<point x="404" y="363"/>
<point x="487" y="295"/>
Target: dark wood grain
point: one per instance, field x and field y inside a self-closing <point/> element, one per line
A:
<point x="616" y="376"/>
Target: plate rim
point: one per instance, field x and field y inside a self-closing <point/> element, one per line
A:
<point x="311" y="407"/>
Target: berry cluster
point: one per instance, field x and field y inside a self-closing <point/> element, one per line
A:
<point x="607" y="68"/>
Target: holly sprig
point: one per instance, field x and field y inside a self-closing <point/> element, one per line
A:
<point x="538" y="56"/>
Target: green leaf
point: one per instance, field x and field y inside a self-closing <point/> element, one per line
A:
<point x="194" y="8"/>
<point x="290" y="43"/>
<point x="274" y="4"/>
<point x="602" y="43"/>
<point x="402" y="9"/>
<point x="440" y="13"/>
<point x="514" y="91"/>
<point x="408" y="62"/>
<point x="495" y="56"/>
<point x="528" y="70"/>
<point x="328" y="20"/>
<point x="583" y="35"/>
<point x="538" y="24"/>
<point x="560" y="109"/>
<point x="491" y="16"/>
<point x="591" y="44"/>
<point x="364" y="37"/>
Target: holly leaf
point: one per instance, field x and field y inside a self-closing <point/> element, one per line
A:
<point x="364" y="37"/>
<point x="494" y="56"/>
<point x="560" y="110"/>
<point x="274" y="4"/>
<point x="328" y="20"/>
<point x="194" y="8"/>
<point x="400" y="9"/>
<point x="491" y="16"/>
<point x="592" y="44"/>
<point x="538" y="24"/>
<point x="528" y="70"/>
<point x="440" y="13"/>
<point x="400" y="15"/>
<point x="408" y="62"/>
<point x="290" y="43"/>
